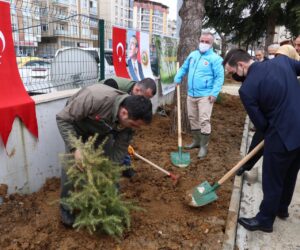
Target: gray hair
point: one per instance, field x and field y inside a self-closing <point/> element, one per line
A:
<point x="207" y="33"/>
<point x="274" y="46"/>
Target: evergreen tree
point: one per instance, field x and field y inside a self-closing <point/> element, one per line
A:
<point x="244" y="22"/>
<point x="95" y="200"/>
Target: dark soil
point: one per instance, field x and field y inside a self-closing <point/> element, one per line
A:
<point x="33" y="222"/>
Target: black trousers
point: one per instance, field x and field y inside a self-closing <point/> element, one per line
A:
<point x="256" y="139"/>
<point x="279" y="178"/>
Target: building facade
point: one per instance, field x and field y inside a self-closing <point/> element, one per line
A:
<point x="150" y="16"/>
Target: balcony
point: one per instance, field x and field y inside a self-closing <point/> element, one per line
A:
<point x="62" y="17"/>
<point x="94" y="37"/>
<point x="93" y="11"/>
<point x="64" y="3"/>
<point x="60" y="32"/>
<point x="93" y="24"/>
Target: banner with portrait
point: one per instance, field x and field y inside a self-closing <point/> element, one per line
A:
<point x="165" y="53"/>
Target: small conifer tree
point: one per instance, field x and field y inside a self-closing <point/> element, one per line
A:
<point x="95" y="199"/>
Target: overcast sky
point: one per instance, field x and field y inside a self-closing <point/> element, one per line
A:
<point x="172" y="4"/>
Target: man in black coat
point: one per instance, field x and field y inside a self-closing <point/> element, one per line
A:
<point x="270" y="93"/>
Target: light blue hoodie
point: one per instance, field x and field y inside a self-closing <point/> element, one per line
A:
<point x="205" y="73"/>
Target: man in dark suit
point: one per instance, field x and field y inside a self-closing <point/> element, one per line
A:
<point x="270" y="93"/>
<point x="134" y="66"/>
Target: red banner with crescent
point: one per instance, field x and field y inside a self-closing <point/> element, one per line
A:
<point x="119" y="52"/>
<point x="14" y="100"/>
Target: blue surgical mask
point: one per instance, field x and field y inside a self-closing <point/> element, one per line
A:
<point x="203" y="47"/>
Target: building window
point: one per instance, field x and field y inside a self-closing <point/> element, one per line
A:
<point x="110" y="43"/>
<point x="44" y="27"/>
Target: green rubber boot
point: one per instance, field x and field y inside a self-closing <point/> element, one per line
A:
<point x="196" y="140"/>
<point x="204" y="138"/>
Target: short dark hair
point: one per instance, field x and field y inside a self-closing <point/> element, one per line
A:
<point x="111" y="83"/>
<point x="138" y="107"/>
<point x="235" y="55"/>
<point x="148" y="83"/>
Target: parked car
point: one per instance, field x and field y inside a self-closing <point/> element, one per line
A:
<point x="108" y="60"/>
<point x="35" y="74"/>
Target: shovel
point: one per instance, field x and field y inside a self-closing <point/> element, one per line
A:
<point x="205" y="193"/>
<point x="180" y="159"/>
<point x="172" y="176"/>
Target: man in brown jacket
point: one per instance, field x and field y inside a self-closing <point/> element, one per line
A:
<point x="102" y="110"/>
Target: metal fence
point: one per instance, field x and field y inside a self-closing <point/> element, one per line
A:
<point x="57" y="45"/>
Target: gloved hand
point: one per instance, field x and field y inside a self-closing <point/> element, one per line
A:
<point x="129" y="171"/>
<point x="126" y="161"/>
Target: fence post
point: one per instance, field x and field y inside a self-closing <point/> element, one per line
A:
<point x="101" y="46"/>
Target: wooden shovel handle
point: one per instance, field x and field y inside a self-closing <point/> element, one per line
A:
<point x="152" y="164"/>
<point x="241" y="163"/>
<point x="179" y="117"/>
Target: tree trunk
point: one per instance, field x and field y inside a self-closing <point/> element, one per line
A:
<point x="270" y="32"/>
<point x="191" y="13"/>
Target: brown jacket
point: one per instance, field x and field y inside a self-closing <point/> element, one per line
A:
<point x="94" y="110"/>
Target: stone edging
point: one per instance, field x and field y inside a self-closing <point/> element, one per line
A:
<point x="233" y="212"/>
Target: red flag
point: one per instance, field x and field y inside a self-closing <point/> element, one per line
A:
<point x="14" y="100"/>
<point x="119" y="52"/>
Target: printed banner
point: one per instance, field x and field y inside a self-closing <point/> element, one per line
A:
<point x="119" y="52"/>
<point x="14" y="100"/>
<point x="165" y="51"/>
<point x="145" y="54"/>
<point x="134" y="65"/>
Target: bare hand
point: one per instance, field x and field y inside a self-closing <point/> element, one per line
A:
<point x="77" y="155"/>
<point x="212" y="99"/>
<point x="78" y="159"/>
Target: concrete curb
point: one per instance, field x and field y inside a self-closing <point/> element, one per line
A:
<point x="233" y="212"/>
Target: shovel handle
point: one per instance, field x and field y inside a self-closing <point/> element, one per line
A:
<point x="241" y="163"/>
<point x="179" y="117"/>
<point x="152" y="164"/>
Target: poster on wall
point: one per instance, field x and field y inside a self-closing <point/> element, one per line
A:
<point x="145" y="55"/>
<point x="165" y="51"/>
<point x="131" y="54"/>
<point x="134" y="65"/>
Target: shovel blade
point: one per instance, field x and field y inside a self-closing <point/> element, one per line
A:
<point x="180" y="159"/>
<point x="202" y="194"/>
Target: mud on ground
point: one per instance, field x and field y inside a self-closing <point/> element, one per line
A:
<point x="32" y="221"/>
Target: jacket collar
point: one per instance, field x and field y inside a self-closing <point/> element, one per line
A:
<point x="116" y="106"/>
<point x="210" y="51"/>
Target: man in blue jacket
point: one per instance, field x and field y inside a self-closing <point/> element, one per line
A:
<point x="205" y="80"/>
<point x="270" y="93"/>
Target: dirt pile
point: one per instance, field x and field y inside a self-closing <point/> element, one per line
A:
<point x="32" y="221"/>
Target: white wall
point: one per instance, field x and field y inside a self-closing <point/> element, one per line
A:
<point x="26" y="163"/>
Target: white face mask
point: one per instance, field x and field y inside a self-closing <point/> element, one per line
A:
<point x="203" y="47"/>
<point x="271" y="56"/>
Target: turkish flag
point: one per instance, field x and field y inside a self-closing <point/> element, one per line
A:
<point x="119" y="52"/>
<point x="14" y="100"/>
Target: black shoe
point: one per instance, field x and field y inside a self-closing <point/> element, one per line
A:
<point x="66" y="217"/>
<point x="252" y="224"/>
<point x="283" y="215"/>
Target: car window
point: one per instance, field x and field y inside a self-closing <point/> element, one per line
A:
<point x="37" y="64"/>
<point x="109" y="58"/>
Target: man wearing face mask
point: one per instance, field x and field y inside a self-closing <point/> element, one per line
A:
<point x="270" y="93"/>
<point x="272" y="49"/>
<point x="205" y="80"/>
